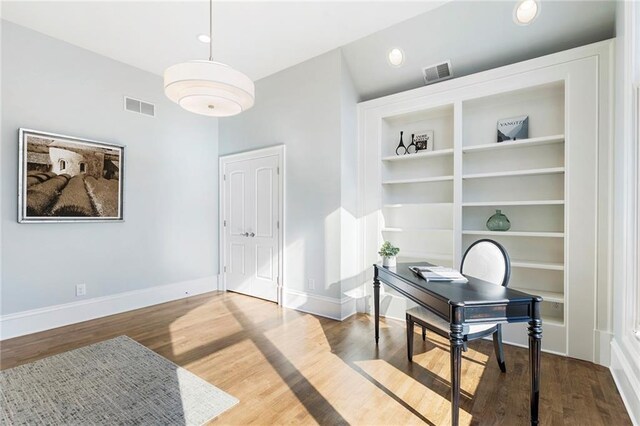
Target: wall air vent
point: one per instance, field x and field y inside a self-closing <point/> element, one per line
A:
<point x="141" y="107"/>
<point x="437" y="72"/>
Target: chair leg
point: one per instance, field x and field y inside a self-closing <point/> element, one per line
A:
<point x="497" y="346"/>
<point x="410" y="337"/>
<point x="424" y="333"/>
<point x="465" y="347"/>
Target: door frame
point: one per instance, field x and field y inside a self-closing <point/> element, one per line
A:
<point x="276" y="150"/>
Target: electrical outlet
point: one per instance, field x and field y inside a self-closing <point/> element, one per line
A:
<point x="81" y="290"/>
<point x="311" y="284"/>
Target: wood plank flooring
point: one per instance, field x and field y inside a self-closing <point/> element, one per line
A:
<point x="288" y="367"/>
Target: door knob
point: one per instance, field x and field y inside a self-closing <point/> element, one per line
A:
<point x="252" y="235"/>
<point x="246" y="234"/>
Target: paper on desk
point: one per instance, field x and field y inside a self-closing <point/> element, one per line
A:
<point x="439" y="273"/>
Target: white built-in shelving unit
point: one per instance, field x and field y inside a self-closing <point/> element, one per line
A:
<point x="434" y="204"/>
<point x="421" y="186"/>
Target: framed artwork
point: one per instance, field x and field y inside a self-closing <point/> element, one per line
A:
<point x="514" y="128"/>
<point x="424" y="140"/>
<point x="69" y="179"/>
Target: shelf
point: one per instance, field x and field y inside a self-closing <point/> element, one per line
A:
<point x="531" y="172"/>
<point x="425" y="256"/>
<point x="397" y="206"/>
<point x="419" y="155"/>
<point x="391" y="229"/>
<point x="550" y="266"/>
<point x="419" y="180"/>
<point x="547" y="296"/>
<point x="523" y="143"/>
<point x="517" y="233"/>
<point x="513" y="203"/>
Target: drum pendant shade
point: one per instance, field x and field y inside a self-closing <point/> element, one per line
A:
<point x="209" y="88"/>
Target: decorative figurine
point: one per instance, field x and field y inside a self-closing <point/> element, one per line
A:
<point x="401" y="149"/>
<point x="411" y="149"/>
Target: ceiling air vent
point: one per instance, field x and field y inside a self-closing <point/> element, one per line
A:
<point x="141" y="107"/>
<point x="437" y="72"/>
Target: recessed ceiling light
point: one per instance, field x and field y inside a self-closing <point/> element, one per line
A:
<point x="204" y="38"/>
<point x="396" y="57"/>
<point x="526" y="11"/>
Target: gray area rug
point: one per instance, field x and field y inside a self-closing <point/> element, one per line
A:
<point x="117" y="381"/>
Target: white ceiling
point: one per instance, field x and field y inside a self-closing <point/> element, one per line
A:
<point x="258" y="38"/>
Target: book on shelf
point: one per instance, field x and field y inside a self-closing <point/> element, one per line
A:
<point x="439" y="274"/>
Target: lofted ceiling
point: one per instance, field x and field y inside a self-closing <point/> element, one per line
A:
<point x="475" y="36"/>
<point x="258" y="38"/>
<point x="261" y="38"/>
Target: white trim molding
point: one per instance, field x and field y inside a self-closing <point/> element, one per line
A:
<point x="328" y="307"/>
<point x="626" y="379"/>
<point x="35" y="320"/>
<point x="602" y="347"/>
<point x="625" y="346"/>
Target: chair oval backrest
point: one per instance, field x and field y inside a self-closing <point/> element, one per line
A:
<point x="487" y="260"/>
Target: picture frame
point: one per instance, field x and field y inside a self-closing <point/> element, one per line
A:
<point x="69" y="179"/>
<point x="513" y="128"/>
<point x="424" y="140"/>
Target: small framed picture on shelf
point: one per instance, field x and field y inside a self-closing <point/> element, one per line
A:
<point x="424" y="140"/>
<point x="514" y="128"/>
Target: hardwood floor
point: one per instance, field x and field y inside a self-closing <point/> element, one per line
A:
<point x="291" y="367"/>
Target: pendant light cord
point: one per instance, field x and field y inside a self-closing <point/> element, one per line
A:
<point x="211" y="30"/>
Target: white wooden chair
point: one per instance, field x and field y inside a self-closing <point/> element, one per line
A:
<point x="486" y="260"/>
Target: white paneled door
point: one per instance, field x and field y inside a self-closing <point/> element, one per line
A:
<point x="251" y="222"/>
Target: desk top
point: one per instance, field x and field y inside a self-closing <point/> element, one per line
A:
<point x="474" y="292"/>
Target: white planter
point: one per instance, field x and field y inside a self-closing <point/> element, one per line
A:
<point x="389" y="261"/>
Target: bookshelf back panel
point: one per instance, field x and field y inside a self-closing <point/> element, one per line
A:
<point x="548" y="218"/>
<point x="552" y="311"/>
<point x="438" y="242"/>
<point x="415" y="169"/>
<point x="433" y="216"/>
<point x="537" y="279"/>
<point x="535" y="157"/>
<point x="432" y="192"/>
<point x="543" y="104"/>
<point x="514" y="188"/>
<point x="525" y="248"/>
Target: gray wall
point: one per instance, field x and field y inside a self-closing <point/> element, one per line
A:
<point x="170" y="229"/>
<point x="300" y="107"/>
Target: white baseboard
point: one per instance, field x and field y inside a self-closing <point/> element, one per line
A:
<point x="602" y="341"/>
<point x="33" y="321"/>
<point x="627" y="380"/>
<point x="328" y="307"/>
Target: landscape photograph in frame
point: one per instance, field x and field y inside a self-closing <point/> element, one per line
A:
<point x="69" y="179"/>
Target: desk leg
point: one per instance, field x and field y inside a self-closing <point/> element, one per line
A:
<point x="457" y="342"/>
<point x="535" y="340"/>
<point x="376" y="306"/>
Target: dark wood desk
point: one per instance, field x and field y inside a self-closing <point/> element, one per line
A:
<point x="474" y="302"/>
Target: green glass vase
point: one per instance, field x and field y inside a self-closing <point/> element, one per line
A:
<point x="498" y="222"/>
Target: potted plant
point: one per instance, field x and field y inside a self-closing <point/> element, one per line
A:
<point x="388" y="253"/>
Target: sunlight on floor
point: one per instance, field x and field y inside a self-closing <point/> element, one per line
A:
<point x="182" y="346"/>
<point x="473" y="362"/>
<point x="414" y="394"/>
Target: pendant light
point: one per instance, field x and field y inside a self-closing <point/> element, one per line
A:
<point x="207" y="87"/>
